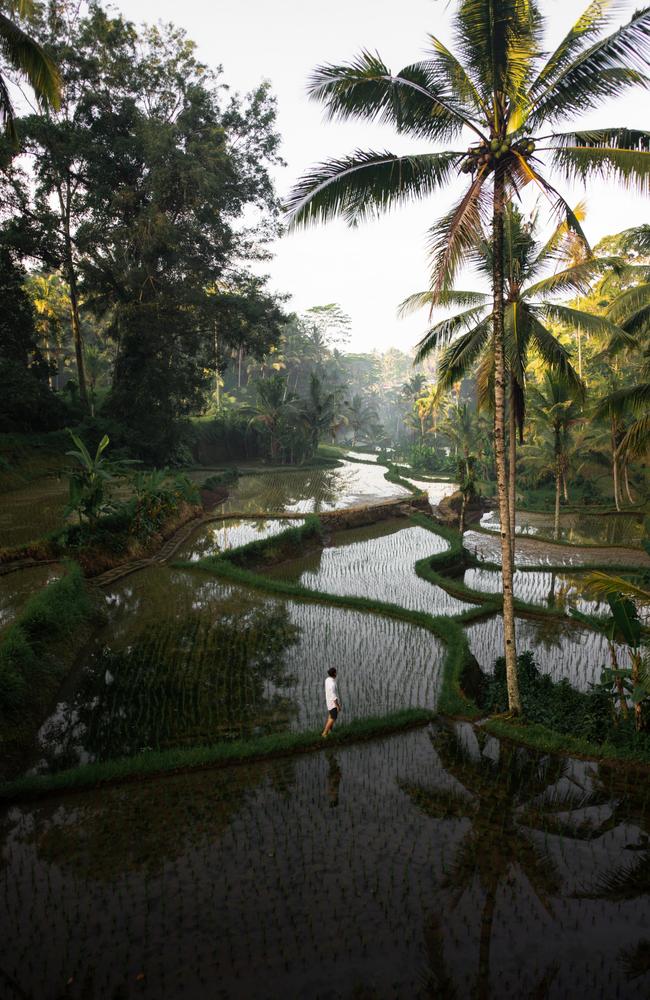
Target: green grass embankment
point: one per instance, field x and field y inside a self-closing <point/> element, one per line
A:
<point x="37" y="651"/>
<point x="157" y="762"/>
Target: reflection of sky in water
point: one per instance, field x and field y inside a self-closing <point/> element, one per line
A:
<point x="399" y="840"/>
<point x="379" y="563"/>
<point x="223" y="535"/>
<point x="560" y="649"/>
<point x="602" y="529"/>
<point x="551" y="590"/>
<point x="306" y="491"/>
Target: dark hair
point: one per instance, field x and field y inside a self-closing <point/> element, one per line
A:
<point x="331" y="672"/>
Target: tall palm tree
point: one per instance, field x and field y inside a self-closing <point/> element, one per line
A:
<point x="555" y="405"/>
<point x="321" y="411"/>
<point x="361" y="415"/>
<point x="528" y="314"/>
<point x="27" y="58"/>
<point x="505" y="91"/>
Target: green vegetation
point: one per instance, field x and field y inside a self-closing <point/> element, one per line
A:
<point x="235" y="752"/>
<point x="32" y="662"/>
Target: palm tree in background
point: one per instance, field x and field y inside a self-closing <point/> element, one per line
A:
<point x="274" y="405"/>
<point x="555" y="405"/>
<point x="28" y="59"/>
<point x="322" y="411"/>
<point x="529" y="315"/>
<point x="503" y="90"/>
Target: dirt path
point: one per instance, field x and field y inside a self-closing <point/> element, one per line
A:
<point x="538" y="552"/>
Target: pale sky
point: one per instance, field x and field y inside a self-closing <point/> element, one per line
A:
<point x="371" y="269"/>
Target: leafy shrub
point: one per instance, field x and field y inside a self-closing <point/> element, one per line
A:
<point x="225" y="478"/>
<point x="559" y="706"/>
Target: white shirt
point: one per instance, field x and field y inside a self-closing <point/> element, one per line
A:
<point x="331" y="692"/>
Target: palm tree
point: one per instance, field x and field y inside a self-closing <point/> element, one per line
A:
<point x="503" y="90"/>
<point x="527" y="317"/>
<point x="555" y="405"/>
<point x="274" y="404"/>
<point x="361" y="416"/>
<point x="321" y="411"/>
<point x="27" y="58"/>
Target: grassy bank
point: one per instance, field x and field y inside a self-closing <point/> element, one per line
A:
<point x="38" y="650"/>
<point x="153" y="763"/>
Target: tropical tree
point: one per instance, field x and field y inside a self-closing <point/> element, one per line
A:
<point x="555" y="405"/>
<point x="321" y="411"/>
<point x="273" y="406"/>
<point x="529" y="317"/>
<point x="361" y="416"/>
<point x="27" y="58"/>
<point x="504" y="89"/>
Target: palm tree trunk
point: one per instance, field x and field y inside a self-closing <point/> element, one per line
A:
<point x="617" y="500"/>
<point x="482" y="991"/>
<point x="512" y="468"/>
<point x="558" y="487"/>
<point x="510" y="648"/>
<point x="626" y="482"/>
<point x="241" y="352"/>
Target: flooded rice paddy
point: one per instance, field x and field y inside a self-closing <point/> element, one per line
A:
<point x="32" y="511"/>
<point x="439" y="864"/>
<point x="556" y="591"/>
<point x="560" y="648"/>
<point x="311" y="490"/>
<point x="377" y="562"/>
<point x="221" y="536"/>
<point x="185" y="660"/>
<point x="578" y="529"/>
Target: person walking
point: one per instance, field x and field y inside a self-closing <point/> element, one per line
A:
<point x="332" y="700"/>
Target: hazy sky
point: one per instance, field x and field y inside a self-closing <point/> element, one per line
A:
<point x="368" y="270"/>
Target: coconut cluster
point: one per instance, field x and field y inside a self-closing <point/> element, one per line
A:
<point x="487" y="154"/>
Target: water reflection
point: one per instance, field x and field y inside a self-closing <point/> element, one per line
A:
<point x="451" y="865"/>
<point x="601" y="529"/>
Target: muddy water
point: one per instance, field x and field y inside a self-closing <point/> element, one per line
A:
<point x="427" y="866"/>
<point x="377" y="562"/>
<point x="560" y="648"/>
<point x="186" y="660"/>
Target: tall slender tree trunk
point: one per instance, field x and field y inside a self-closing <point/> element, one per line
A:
<point x="558" y="487"/>
<point x="216" y="366"/>
<point x="617" y="489"/>
<point x="510" y="648"/>
<point x="65" y="203"/>
<point x="241" y="351"/>
<point x="512" y="467"/>
<point x="626" y="481"/>
<point x="482" y="990"/>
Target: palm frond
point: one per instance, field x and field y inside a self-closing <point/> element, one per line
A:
<point x="622" y="153"/>
<point x="589" y="25"/>
<point x="576" y="278"/>
<point x="603" y="70"/>
<point x="636" y="440"/>
<point x="455" y="233"/>
<point x="457" y="77"/>
<point x="442" y="333"/>
<point x="447" y="297"/>
<point x="498" y="41"/>
<point x="414" y="101"/>
<point x="28" y="57"/>
<point x="364" y="184"/>
<point x="555" y="356"/>
<point x="461" y="356"/>
<point x="629" y="304"/>
<point x="576" y="319"/>
<point x="599" y="584"/>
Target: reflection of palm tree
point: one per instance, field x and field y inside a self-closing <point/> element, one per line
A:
<point x="494" y="792"/>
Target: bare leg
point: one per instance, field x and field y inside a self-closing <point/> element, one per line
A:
<point x="329" y="725"/>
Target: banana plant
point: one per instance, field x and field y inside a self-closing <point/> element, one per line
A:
<point x="90" y="479"/>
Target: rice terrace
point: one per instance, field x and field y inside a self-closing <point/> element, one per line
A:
<point x="324" y="500"/>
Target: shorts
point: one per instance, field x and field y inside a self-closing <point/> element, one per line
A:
<point x="333" y="713"/>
